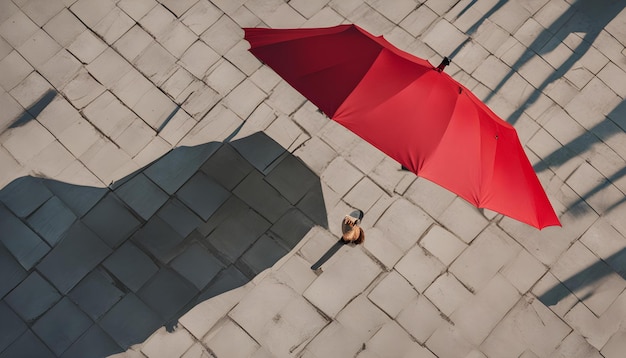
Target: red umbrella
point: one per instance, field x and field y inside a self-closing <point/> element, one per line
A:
<point x="410" y="110"/>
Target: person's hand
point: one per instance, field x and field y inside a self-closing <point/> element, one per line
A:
<point x="350" y="221"/>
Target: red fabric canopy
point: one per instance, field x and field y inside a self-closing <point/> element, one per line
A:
<point x="414" y="113"/>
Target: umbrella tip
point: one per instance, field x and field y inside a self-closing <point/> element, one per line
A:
<point x="445" y="62"/>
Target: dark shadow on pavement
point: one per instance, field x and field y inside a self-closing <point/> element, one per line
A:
<point x="88" y="272"/>
<point x="613" y="124"/>
<point x="34" y="110"/>
<point x="586" y="17"/>
<point x="585" y="278"/>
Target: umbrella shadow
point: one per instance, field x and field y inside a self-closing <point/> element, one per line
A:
<point x="586" y="17"/>
<point x="584" y="280"/>
<point x="93" y="270"/>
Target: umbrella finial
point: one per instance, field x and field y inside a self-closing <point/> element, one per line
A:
<point x="445" y="62"/>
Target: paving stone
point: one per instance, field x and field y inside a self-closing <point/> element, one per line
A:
<point x="96" y="294"/>
<point x="80" y="199"/>
<point x="419" y="268"/>
<point x="222" y="35"/>
<point x="12" y="326"/>
<point x="278" y="318"/>
<point x="477" y="317"/>
<point x="238" y="233"/>
<point x="60" y="336"/>
<point x="385" y="251"/>
<point x="523" y="271"/>
<point x="259" y="150"/>
<point x="247" y="96"/>
<point x="109" y="115"/>
<point x="607" y="243"/>
<point x="591" y="280"/>
<point x="159" y="239"/>
<point x="392" y="341"/>
<point x="263" y="254"/>
<point x="31" y="91"/>
<point x="167" y="293"/>
<point x="263" y="198"/>
<point x="197" y="265"/>
<point x="334" y="340"/>
<point x="441" y="30"/>
<point x="131" y="266"/>
<point x="24" y="144"/>
<point x="287" y="133"/>
<point x="615" y="346"/>
<point x="362" y="318"/>
<point x="136" y="9"/>
<point x="81" y="90"/>
<point x="52" y="160"/>
<point x="393" y="293"/>
<point x="23" y="243"/>
<point x="442" y="244"/>
<point x="109" y="67"/>
<point x="238" y="56"/>
<point x="224" y="77"/>
<point x="448" y="341"/>
<point x="73" y="258"/>
<point x="341" y="176"/>
<point x="167" y="344"/>
<point x="17" y="28"/>
<point x="175" y="168"/>
<point x="19" y="69"/>
<point x="32" y="297"/>
<point x="24" y="195"/>
<point x="86" y="46"/>
<point x="90" y="12"/>
<point x="95" y="342"/>
<point x="39" y="48"/>
<point x="28" y="345"/>
<point x="491" y="250"/>
<point x="64" y="27"/>
<point x="108" y="210"/>
<point x="420" y="318"/>
<point x="346" y="288"/>
<point x="429" y="196"/>
<point x="11" y="273"/>
<point x="133" y="43"/>
<point x="576" y="346"/>
<point x="464" y="220"/>
<point x="403" y="223"/>
<point x="218" y="341"/>
<point x="364" y="194"/>
<point x="529" y="325"/>
<point x="200" y="101"/>
<point x="447" y="293"/>
<point x="203" y="316"/>
<point x="142" y="195"/>
<point x="154" y="107"/>
<point x="292" y="227"/>
<point x="202" y="195"/>
<point x="228" y="279"/>
<point x="52" y="220"/>
<point x="179" y="217"/>
<point x="113" y="25"/>
<point x="178" y="39"/>
<point x="130" y="321"/>
<point x="156" y="63"/>
<point x="295" y="272"/>
<point x="226" y="167"/>
<point x="201" y="16"/>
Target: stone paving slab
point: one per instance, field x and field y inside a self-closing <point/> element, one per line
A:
<point x="149" y="258"/>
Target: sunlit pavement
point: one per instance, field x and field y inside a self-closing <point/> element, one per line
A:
<point x="164" y="194"/>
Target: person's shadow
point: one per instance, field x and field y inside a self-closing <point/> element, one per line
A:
<point x="88" y="272"/>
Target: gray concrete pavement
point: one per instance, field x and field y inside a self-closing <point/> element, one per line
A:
<point x="164" y="194"/>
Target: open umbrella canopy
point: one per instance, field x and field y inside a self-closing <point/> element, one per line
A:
<point x="410" y="110"/>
